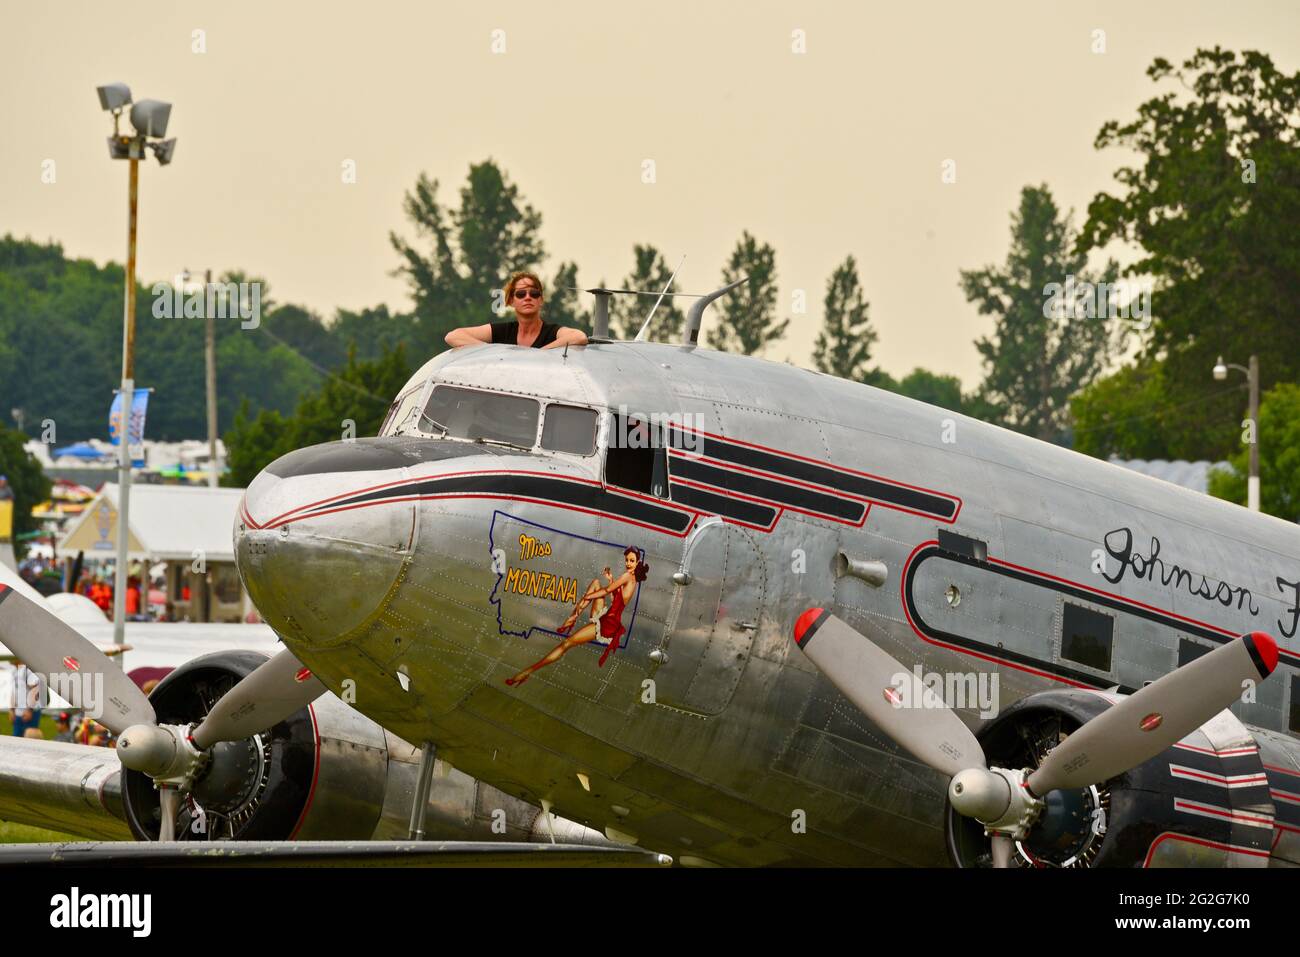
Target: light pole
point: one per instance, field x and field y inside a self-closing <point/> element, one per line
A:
<point x="149" y="119"/>
<point x="1252" y="375"/>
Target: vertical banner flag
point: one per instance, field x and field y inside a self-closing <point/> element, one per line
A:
<point x="135" y="434"/>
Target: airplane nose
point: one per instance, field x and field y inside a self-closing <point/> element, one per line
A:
<point x="321" y="551"/>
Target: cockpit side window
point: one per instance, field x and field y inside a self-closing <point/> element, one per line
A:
<point x="474" y="414"/>
<point x="392" y="414"/>
<point x="569" y="428"/>
<point x="637" y="458"/>
<point x="400" y="411"/>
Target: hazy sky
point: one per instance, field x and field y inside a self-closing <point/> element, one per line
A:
<point x="833" y="151"/>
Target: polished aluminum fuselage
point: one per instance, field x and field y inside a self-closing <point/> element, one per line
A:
<point x="707" y="734"/>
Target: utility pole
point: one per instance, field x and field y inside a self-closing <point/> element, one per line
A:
<point x="124" y="424"/>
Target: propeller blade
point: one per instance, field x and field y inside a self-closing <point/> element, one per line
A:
<point x="887" y="693"/>
<point x="1002" y="847"/>
<point x="50" y="646"/>
<point x="265" y="697"/>
<point x="1155" y="717"/>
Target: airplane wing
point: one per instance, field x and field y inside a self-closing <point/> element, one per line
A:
<point x="73" y="788"/>
<point x="326" y="854"/>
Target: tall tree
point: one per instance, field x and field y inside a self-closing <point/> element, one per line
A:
<point x="468" y="252"/>
<point x="1213" y="202"/>
<point x="745" y="321"/>
<point x="1051" y="334"/>
<point x="627" y="313"/>
<point x="843" y="347"/>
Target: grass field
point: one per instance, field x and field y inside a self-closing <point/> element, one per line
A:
<point x="23" y="833"/>
<point x="47" y="723"/>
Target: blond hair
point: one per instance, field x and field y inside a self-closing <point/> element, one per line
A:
<point x="514" y="281"/>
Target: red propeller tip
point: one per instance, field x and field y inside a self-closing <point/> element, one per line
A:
<point x="1263" y="649"/>
<point x="806" y="621"/>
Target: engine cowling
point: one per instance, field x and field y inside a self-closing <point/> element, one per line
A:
<point x="325" y="773"/>
<point x="1208" y="801"/>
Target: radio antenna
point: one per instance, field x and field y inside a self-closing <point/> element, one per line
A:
<point x="645" y="327"/>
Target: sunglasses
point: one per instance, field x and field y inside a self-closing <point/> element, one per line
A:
<point x="528" y="293"/>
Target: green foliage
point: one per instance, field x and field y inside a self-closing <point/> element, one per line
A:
<point x="628" y="313"/>
<point x="1279" y="457"/>
<point x="61" y="348"/>
<point x="843" y="347"/>
<point x="355" y="400"/>
<point x="1039" y="356"/>
<point x="943" y="391"/>
<point x="1130" y="413"/>
<point x="467" y="255"/>
<point x="744" y="319"/>
<point x="27" y="481"/>
<point x="1217" y="234"/>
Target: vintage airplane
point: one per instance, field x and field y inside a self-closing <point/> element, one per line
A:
<point x="704" y="603"/>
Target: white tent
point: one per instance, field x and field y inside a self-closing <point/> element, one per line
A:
<point x="167" y="523"/>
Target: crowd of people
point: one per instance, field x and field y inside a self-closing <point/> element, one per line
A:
<point x="98" y="586"/>
<point x="29" y="695"/>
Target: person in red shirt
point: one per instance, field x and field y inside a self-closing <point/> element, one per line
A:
<point x="102" y="596"/>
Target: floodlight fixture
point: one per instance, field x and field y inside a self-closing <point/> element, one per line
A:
<point x="149" y="117"/>
<point x="113" y="96"/>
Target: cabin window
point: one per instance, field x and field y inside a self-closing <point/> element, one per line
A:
<point x="1189" y="651"/>
<point x="388" y="419"/>
<point x="1087" y="636"/>
<point x="473" y="414"/>
<point x="637" y="459"/>
<point x="569" y="428"/>
<point x="1294" y="723"/>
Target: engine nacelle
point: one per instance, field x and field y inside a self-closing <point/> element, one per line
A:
<point x="1214" y="799"/>
<point x="325" y="773"/>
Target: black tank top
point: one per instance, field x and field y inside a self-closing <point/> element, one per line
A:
<point x="507" y="333"/>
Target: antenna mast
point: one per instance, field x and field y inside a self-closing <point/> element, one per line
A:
<point x="645" y="326"/>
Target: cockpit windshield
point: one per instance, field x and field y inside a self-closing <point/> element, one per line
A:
<point x="491" y="416"/>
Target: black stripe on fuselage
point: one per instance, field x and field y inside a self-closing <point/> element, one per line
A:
<point x="859" y="485"/>
<point x="560" y="491"/>
<point x="771" y="490"/>
<point x="718" y="504"/>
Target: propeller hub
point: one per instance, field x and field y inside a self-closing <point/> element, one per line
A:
<point x="163" y="752"/>
<point x="983" y="795"/>
<point x="998" y="798"/>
